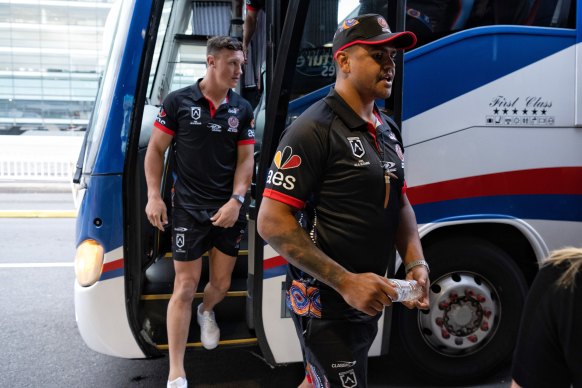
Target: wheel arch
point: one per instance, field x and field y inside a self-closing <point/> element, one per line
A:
<point x="516" y="237"/>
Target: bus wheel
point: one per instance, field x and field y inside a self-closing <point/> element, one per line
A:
<point x="476" y="298"/>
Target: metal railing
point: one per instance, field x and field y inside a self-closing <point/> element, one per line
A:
<point x="38" y="158"/>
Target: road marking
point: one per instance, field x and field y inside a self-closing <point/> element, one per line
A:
<point x="38" y="213"/>
<point x="35" y="265"/>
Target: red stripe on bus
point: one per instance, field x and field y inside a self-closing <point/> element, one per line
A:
<point x="276" y="261"/>
<point x="113" y="265"/>
<point x="557" y="180"/>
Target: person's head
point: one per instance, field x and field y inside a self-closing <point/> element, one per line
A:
<point x="364" y="49"/>
<point x="224" y="58"/>
<point x="571" y="256"/>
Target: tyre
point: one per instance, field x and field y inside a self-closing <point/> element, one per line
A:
<point x="476" y="297"/>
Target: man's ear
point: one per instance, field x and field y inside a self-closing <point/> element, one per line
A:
<point x="210" y="60"/>
<point x="343" y="61"/>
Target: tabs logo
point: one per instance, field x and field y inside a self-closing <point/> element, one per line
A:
<point x="357" y="146"/>
<point x="195" y="112"/>
<point x="232" y="110"/>
<point x="348" y="379"/>
<point x="180" y="240"/>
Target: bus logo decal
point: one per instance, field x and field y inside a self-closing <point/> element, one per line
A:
<point x="357" y="146"/>
<point x="195" y="111"/>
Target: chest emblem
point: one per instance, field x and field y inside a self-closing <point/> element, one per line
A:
<point x="233" y="124"/>
<point x="357" y="146"/>
<point x="195" y="111"/>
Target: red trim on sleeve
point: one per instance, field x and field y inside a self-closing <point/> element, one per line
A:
<point x="404" y="188"/>
<point x="245" y="142"/>
<point x="251" y="8"/>
<point x="163" y="128"/>
<point x="286" y="199"/>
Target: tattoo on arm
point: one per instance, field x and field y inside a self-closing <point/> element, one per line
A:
<point x="296" y="247"/>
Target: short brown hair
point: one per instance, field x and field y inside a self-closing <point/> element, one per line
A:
<point x="217" y="43"/>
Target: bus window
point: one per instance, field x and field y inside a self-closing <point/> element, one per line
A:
<point x="162" y="29"/>
<point x="431" y="20"/>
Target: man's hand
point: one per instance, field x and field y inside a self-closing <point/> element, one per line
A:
<point x="367" y="292"/>
<point x="420" y="274"/>
<point x="157" y="212"/>
<point x="227" y="215"/>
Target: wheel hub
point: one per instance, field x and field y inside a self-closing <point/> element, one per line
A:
<point x="464" y="309"/>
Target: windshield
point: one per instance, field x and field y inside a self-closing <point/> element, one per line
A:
<point x="114" y="37"/>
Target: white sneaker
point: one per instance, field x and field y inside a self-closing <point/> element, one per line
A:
<point x="209" y="331"/>
<point x="180" y="382"/>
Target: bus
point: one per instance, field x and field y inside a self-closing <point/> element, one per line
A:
<point x="489" y="106"/>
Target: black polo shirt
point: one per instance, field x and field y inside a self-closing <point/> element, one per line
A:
<point x="205" y="144"/>
<point x="331" y="163"/>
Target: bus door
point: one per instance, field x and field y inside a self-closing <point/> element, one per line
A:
<point x="578" y="120"/>
<point x="175" y="59"/>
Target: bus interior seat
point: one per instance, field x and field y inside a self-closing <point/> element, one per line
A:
<point x="150" y="113"/>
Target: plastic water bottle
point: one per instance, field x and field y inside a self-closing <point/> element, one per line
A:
<point x="408" y="290"/>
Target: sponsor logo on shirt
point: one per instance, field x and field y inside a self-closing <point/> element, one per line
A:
<point x="251" y="133"/>
<point x="233" y="110"/>
<point x="392" y="136"/>
<point x="343" y="364"/>
<point x="161" y="115"/>
<point x="215" y="127"/>
<point x="389" y="166"/>
<point x="284" y="160"/>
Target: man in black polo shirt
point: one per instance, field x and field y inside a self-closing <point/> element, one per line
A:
<point x="211" y="129"/>
<point x="341" y="166"/>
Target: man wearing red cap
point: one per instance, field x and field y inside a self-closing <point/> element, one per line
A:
<point x="339" y="169"/>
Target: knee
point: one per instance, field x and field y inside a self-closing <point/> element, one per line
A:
<point x="222" y="285"/>
<point x="185" y="290"/>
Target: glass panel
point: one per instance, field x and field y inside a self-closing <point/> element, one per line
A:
<point x="168" y="4"/>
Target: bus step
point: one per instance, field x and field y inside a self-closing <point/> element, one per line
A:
<point x="232" y="334"/>
<point x="164" y="289"/>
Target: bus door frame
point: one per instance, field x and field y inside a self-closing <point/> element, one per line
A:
<point x="578" y="95"/>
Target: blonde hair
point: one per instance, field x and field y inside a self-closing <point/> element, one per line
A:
<point x="570" y="255"/>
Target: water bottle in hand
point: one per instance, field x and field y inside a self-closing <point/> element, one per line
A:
<point x="407" y="290"/>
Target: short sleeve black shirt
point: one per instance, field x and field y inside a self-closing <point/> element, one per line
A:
<point x="332" y="161"/>
<point x="205" y="144"/>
